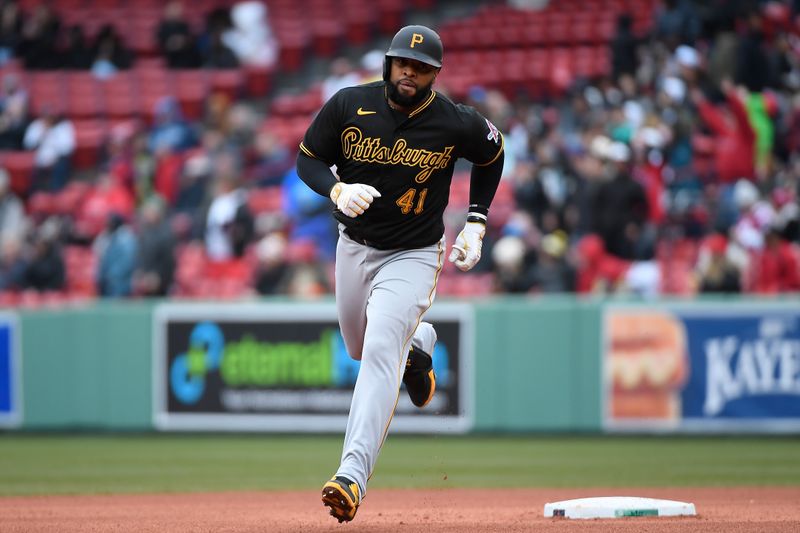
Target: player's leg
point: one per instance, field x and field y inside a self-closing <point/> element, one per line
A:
<point x="419" y="377"/>
<point x="402" y="290"/>
<point x="341" y="494"/>
<point x="353" y="275"/>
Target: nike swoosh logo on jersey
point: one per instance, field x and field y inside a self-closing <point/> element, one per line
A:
<point x="362" y="112"/>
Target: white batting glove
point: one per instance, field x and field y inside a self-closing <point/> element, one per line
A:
<point x="467" y="249"/>
<point x="353" y="199"/>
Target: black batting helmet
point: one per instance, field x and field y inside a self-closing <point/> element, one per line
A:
<point x="415" y="42"/>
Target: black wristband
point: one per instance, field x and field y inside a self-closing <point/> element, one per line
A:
<point x="476" y="217"/>
<point x="478" y="209"/>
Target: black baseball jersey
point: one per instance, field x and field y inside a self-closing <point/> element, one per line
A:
<point x="409" y="159"/>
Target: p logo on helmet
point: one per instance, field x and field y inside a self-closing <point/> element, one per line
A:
<point x="414" y="42"/>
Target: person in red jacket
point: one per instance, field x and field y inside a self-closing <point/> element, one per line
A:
<point x="777" y="266"/>
<point x="734" y="137"/>
<point x="597" y="270"/>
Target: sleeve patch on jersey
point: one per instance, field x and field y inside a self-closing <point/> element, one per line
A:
<point x="494" y="133"/>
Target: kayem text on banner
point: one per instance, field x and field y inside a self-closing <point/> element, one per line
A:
<point x="705" y="368"/>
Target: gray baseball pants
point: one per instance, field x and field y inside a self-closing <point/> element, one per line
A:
<point x="381" y="297"/>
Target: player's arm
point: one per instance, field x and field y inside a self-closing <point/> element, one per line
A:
<point x="483" y="184"/>
<point x="319" y="148"/>
<point x="485" y="150"/>
<point x="352" y="199"/>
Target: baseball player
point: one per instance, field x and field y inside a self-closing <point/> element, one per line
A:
<point x="394" y="144"/>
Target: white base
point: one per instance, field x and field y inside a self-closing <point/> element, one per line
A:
<point x="617" y="507"/>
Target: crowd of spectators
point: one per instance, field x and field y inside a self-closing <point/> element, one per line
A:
<point x="676" y="173"/>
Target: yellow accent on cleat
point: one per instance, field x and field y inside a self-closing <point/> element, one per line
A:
<point x="343" y="497"/>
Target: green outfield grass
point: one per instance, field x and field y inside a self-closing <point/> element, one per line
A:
<point x="59" y="464"/>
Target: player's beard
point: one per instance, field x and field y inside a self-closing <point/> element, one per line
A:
<point x="408" y="101"/>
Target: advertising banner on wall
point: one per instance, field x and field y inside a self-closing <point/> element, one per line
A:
<point x="10" y="372"/>
<point x="702" y="368"/>
<point x="284" y="367"/>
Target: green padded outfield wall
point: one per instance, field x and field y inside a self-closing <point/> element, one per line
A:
<point x="537" y="366"/>
<point x="87" y="368"/>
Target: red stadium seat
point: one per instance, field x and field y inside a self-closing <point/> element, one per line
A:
<point x="265" y="200"/>
<point x="229" y="82"/>
<point x="19" y="165"/>
<point x="258" y="80"/>
<point x="191" y="88"/>
<point x="89" y="138"/>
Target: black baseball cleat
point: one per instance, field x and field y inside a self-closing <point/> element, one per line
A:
<point x="419" y="377"/>
<point x="343" y="497"/>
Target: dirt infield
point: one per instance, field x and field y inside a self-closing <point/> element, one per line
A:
<point x="731" y="510"/>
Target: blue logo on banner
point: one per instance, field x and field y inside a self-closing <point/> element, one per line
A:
<point x="6" y="372"/>
<point x="187" y="374"/>
<point x="743" y="366"/>
<point x="10" y="413"/>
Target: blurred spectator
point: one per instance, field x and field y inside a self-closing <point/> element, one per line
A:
<point x="156" y="251"/>
<point x="218" y="54"/>
<point x="541" y="187"/>
<point x="273" y="159"/>
<point x="13" y="113"/>
<point x="342" y="74"/>
<point x="754" y="68"/>
<point x="619" y="211"/>
<point x="216" y="110"/>
<point x="39" y="34"/>
<point x="760" y="109"/>
<point x="687" y="65"/>
<point x="144" y="165"/>
<point x="104" y="199"/>
<point x="119" y="161"/>
<point x="552" y="273"/>
<point x="787" y="214"/>
<point x="597" y="271"/>
<point x="643" y="276"/>
<point x="251" y="37"/>
<point x="155" y="266"/>
<point x="52" y="136"/>
<point x="513" y="263"/>
<point x="13" y="266"/>
<point x="272" y="268"/>
<point x="676" y="23"/>
<point x="624" y="46"/>
<point x="10" y="30"/>
<point x="309" y="216"/>
<point x="648" y="149"/>
<point x="46" y="270"/>
<point x="13" y="222"/>
<point x="109" y="53"/>
<point x="76" y="53"/>
<point x="242" y="123"/>
<point x="776" y="265"/>
<point x="175" y="39"/>
<point x="193" y="187"/>
<point x="228" y="223"/>
<point x="170" y="132"/>
<point x="715" y="272"/>
<point x="372" y="66"/>
<point x="755" y="216"/>
<point x="306" y="281"/>
<point x="734" y="138"/>
<point x="722" y="54"/>
<point x="116" y="251"/>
